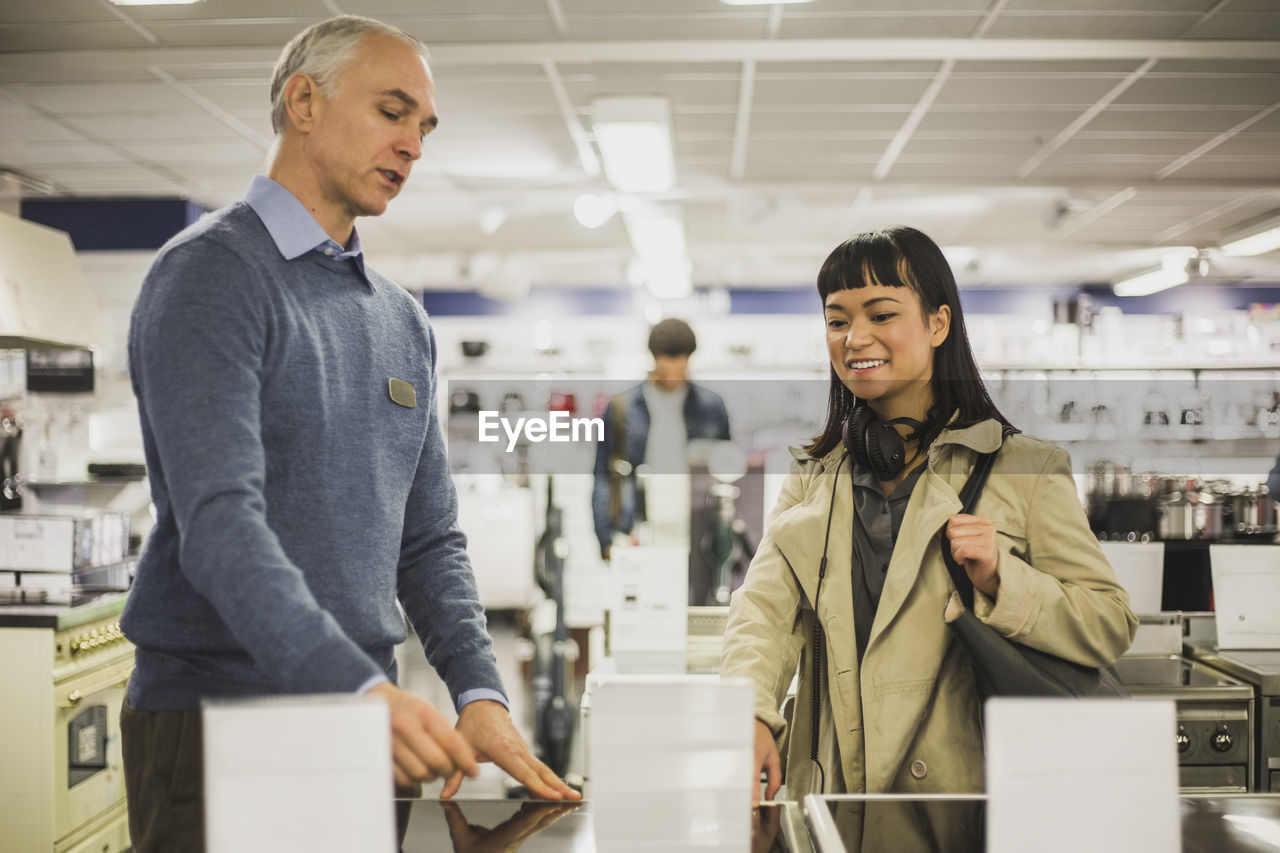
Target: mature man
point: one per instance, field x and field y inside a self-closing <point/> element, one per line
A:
<point x="653" y="423"/>
<point x="287" y="397"/>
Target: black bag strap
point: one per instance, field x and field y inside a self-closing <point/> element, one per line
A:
<point x="969" y="499"/>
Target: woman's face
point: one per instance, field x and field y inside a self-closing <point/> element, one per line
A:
<point x="881" y="345"/>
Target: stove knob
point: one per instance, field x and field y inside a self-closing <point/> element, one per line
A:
<point x="1183" y="740"/>
<point x="1222" y="740"/>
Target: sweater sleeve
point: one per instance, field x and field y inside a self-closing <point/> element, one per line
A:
<point x="196" y="350"/>
<point x="435" y="582"/>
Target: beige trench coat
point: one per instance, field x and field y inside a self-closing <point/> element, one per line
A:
<point x="907" y="718"/>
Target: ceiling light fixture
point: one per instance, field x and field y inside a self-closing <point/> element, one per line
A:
<point x="491" y="219"/>
<point x="1171" y="273"/>
<point x="761" y="2"/>
<point x="592" y="211"/>
<point x="657" y="237"/>
<point x="1256" y="238"/>
<point x="155" y="2"/>
<point x="634" y="137"/>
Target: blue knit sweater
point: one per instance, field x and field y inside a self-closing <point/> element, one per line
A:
<point x="296" y="500"/>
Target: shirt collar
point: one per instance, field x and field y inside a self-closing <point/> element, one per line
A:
<point x="292" y="227"/>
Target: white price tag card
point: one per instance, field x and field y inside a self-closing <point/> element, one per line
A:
<point x="1246" y="590"/>
<point x="1065" y="775"/>
<point x="298" y="773"/>
<point x="1140" y="568"/>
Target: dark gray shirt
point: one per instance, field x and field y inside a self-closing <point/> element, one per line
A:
<point x="876" y="522"/>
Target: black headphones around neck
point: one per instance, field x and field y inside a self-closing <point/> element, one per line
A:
<point x="875" y="444"/>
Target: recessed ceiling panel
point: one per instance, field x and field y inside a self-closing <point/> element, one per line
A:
<point x="839" y="91"/>
<point x="1238" y="24"/>
<point x="805" y="118"/>
<point x="269" y="32"/>
<point x="31" y="128"/>
<point x="1091" y="24"/>
<point x="96" y="98"/>
<point x="1163" y="118"/>
<point x="1235" y="91"/>
<point x="105" y="36"/>
<point x="1014" y="89"/>
<point x="902" y="25"/>
<point x="194" y="124"/>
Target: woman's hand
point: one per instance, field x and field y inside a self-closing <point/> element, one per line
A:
<point x="766" y="759"/>
<point x="973" y="546"/>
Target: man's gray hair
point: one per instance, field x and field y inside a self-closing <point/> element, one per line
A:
<point x="320" y="50"/>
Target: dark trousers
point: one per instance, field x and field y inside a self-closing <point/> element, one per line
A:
<point x="164" y="781"/>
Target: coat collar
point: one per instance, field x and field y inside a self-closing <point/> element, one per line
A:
<point x="982" y="437"/>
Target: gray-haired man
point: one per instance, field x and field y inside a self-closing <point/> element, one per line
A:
<point x="287" y="399"/>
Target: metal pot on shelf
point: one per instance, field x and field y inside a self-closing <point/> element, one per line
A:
<point x="1174" y="513"/>
<point x="1252" y="512"/>
<point x="1190" y="515"/>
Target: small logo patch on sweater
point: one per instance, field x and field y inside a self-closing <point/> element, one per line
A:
<point x="402" y="393"/>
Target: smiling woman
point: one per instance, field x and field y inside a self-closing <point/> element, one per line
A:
<point x="908" y="412"/>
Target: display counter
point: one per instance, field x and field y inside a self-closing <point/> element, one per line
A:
<point x="1246" y="823"/>
<point x="480" y="826"/>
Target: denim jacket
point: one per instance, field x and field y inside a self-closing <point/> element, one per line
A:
<point x="705" y="417"/>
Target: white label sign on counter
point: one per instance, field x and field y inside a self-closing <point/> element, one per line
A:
<point x="1066" y="775"/>
<point x="649" y="622"/>
<point x="298" y="773"/>
<point x="1139" y="566"/>
<point x="1246" y="588"/>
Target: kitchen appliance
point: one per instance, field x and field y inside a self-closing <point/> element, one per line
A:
<point x="1261" y="669"/>
<point x="64" y="670"/>
<point x="1215" y="715"/>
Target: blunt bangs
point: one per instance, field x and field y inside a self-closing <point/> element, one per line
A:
<point x="870" y="258"/>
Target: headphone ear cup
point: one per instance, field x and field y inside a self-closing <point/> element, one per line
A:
<point x="855" y="431"/>
<point x="886" y="451"/>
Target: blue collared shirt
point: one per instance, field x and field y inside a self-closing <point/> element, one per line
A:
<point x="296" y="232"/>
<point x="293" y="228"/>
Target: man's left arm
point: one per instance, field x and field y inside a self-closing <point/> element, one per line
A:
<point x="437" y="588"/>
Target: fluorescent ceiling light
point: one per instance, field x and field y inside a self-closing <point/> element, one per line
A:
<point x="1171" y="273"/>
<point x="155" y="2"/>
<point x="760" y="2"/>
<point x="1257" y="239"/>
<point x="657" y="237"/>
<point x="668" y="279"/>
<point x="634" y="136"/>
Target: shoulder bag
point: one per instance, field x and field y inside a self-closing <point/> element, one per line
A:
<point x="1003" y="667"/>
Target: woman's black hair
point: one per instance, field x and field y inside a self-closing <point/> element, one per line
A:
<point x="904" y="257"/>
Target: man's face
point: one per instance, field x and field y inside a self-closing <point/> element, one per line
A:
<point x="670" y="371"/>
<point x="370" y="125"/>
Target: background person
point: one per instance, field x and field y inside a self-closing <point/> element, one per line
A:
<point x="287" y="397"/>
<point x="652" y="422"/>
<point x="898" y="707"/>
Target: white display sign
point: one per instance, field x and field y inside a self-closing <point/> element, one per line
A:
<point x="681" y="747"/>
<point x="298" y="773"/>
<point x="1246" y="590"/>
<point x="1065" y="775"/>
<point x="649" y="623"/>
<point x="1140" y="569"/>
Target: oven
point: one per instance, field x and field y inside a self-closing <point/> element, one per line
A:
<point x="1215" y="716"/>
<point x="64" y="671"/>
<point x="1261" y="669"/>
